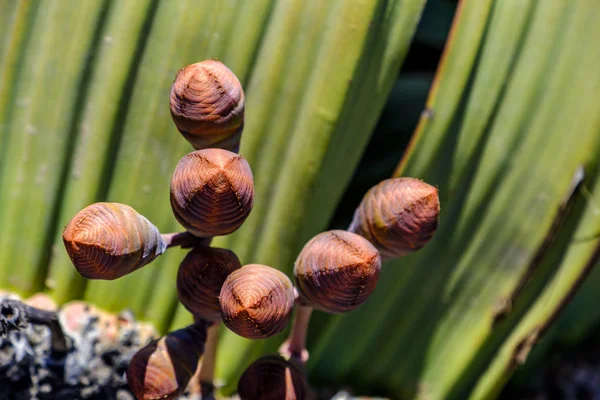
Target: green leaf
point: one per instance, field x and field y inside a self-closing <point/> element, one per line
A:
<point x="182" y="33"/>
<point x="43" y="112"/>
<point x="581" y="257"/>
<point x="309" y="164"/>
<point x="444" y="97"/>
<point x="98" y="131"/>
<point x="14" y="32"/>
<point x="511" y="116"/>
<point x="490" y="140"/>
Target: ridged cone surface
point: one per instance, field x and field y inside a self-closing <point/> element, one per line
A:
<point x="398" y="215"/>
<point x="212" y="192"/>
<point x="272" y="378"/>
<point x="336" y="271"/>
<point x="207" y="105"/>
<point x="256" y="301"/>
<point x="200" y="278"/>
<point x="110" y="240"/>
<point x="163" y="368"/>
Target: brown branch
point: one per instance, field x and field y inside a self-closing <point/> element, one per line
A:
<point x="295" y="345"/>
<point x="207" y="368"/>
<point x="184" y="240"/>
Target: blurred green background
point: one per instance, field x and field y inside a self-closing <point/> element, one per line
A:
<point x="496" y="102"/>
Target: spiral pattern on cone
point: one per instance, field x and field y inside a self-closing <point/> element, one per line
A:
<point x="163" y="368"/>
<point x="256" y="301"/>
<point x="110" y="240"/>
<point x="399" y="216"/>
<point x="207" y="105"/>
<point x="212" y="192"/>
<point x="336" y="271"/>
<point x="273" y="378"/>
<point x="200" y="278"/>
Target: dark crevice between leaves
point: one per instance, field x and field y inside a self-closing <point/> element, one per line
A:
<point x="433" y="30"/>
<point x="71" y="141"/>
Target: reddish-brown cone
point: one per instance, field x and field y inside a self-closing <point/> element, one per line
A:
<point x="200" y="278"/>
<point x="336" y="271"/>
<point x="207" y="105"/>
<point x="273" y="378"/>
<point x="212" y="192"/>
<point x="110" y="240"/>
<point x="256" y="301"/>
<point x="163" y="368"/>
<point x="399" y="216"/>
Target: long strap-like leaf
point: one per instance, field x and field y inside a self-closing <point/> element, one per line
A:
<point x="352" y="71"/>
<point x="493" y="147"/>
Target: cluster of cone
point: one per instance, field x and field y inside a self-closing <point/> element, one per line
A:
<point x="212" y="194"/>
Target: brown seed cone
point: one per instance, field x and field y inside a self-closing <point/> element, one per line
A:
<point x="273" y="378"/>
<point x="212" y="192"/>
<point x="256" y="301"/>
<point x="163" y="368"/>
<point x="336" y="271"/>
<point x="207" y="105"/>
<point x="200" y="278"/>
<point x="398" y="215"/>
<point x="110" y="240"/>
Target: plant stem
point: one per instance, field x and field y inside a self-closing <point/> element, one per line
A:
<point x="295" y="345"/>
<point x="184" y="240"/>
<point x="207" y="368"/>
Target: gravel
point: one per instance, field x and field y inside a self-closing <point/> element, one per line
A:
<point x="100" y="345"/>
<point x="98" y="352"/>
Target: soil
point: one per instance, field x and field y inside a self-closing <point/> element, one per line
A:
<point x="91" y="368"/>
<point x="27" y="371"/>
<point x="99" y="347"/>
